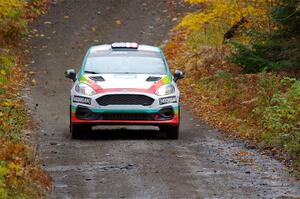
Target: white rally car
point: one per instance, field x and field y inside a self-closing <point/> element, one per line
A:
<point x="124" y="84"/>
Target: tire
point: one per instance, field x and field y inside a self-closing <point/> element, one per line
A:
<point x="70" y="120"/>
<point x="171" y="131"/>
<point x="80" y="131"/>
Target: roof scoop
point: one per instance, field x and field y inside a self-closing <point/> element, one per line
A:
<point x="97" y="78"/>
<point x="153" y="79"/>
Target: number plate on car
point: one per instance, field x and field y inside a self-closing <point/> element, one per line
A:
<point x="82" y="100"/>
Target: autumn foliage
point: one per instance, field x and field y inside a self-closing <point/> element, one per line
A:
<point x="210" y="46"/>
<point x="218" y="16"/>
<point x="20" y="174"/>
<point x="15" y="15"/>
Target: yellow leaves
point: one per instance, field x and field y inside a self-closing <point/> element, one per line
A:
<point x="8" y="103"/>
<point x="47" y="22"/>
<point x="196" y="1"/>
<point x="18" y="171"/>
<point x="17" y="161"/>
<point x="7" y="6"/>
<point x="3" y="72"/>
<point x="12" y="17"/>
<point x="12" y="167"/>
<point x="118" y="22"/>
<point x="193" y="21"/>
<point x="33" y="82"/>
<point x="11" y="171"/>
<point x="223" y="14"/>
<point x="3" y="170"/>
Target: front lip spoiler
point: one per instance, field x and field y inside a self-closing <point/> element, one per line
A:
<point x="173" y="122"/>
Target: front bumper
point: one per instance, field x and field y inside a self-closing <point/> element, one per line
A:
<point x="168" y="116"/>
<point x="94" y="114"/>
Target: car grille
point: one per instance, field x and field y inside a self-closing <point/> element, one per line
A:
<point x="125" y="99"/>
<point x="126" y="116"/>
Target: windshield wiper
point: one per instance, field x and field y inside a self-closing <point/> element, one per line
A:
<point x="91" y="72"/>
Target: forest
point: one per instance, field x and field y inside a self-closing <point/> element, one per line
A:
<point x="242" y="60"/>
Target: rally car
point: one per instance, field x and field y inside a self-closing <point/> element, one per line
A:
<point x="124" y="84"/>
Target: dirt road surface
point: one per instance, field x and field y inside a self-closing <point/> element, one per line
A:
<point x="132" y="163"/>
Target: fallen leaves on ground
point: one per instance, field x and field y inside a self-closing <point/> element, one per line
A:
<point x="20" y="173"/>
<point x="217" y="92"/>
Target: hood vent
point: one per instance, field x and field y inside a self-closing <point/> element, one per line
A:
<point x="153" y="79"/>
<point x="97" y="78"/>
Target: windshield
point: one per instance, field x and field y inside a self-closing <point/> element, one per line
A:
<point x="125" y="62"/>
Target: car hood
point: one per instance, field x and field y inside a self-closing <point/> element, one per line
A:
<point x="123" y="81"/>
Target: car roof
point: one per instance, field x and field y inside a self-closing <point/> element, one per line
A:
<point x="107" y="47"/>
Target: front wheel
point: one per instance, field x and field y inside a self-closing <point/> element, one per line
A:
<point x="80" y="130"/>
<point x="172" y="131"/>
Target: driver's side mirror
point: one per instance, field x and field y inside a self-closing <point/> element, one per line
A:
<point x="178" y="74"/>
<point x="71" y="74"/>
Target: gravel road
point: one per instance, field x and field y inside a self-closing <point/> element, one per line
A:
<point x="131" y="163"/>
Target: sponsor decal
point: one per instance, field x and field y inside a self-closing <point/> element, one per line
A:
<point x="167" y="100"/>
<point x="82" y="100"/>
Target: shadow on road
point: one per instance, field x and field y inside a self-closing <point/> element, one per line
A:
<point x="124" y="134"/>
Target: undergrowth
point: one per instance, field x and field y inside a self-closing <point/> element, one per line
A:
<point x="262" y="107"/>
<point x="242" y="63"/>
<point x="20" y="173"/>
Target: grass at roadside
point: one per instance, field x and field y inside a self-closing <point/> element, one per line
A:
<point x="20" y="174"/>
<point x="262" y="107"/>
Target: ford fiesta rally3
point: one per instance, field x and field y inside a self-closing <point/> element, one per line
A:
<point x="124" y="84"/>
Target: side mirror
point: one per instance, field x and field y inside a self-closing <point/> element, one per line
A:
<point x="71" y="74"/>
<point x="178" y="74"/>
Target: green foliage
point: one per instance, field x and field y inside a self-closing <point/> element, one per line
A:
<point x="280" y="113"/>
<point x="12" y="120"/>
<point x="268" y="85"/>
<point x="287" y="14"/>
<point x="6" y="62"/>
<point x="12" y="114"/>
<point x="20" y="177"/>
<point x="222" y="87"/>
<point x="13" y="22"/>
<point x="12" y="111"/>
<point x="3" y="173"/>
<point x="280" y="50"/>
<point x="224" y="74"/>
<point x="270" y="56"/>
<point x="209" y="36"/>
<point x="261" y="106"/>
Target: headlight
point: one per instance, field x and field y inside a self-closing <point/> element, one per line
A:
<point x="84" y="89"/>
<point x="165" y="90"/>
